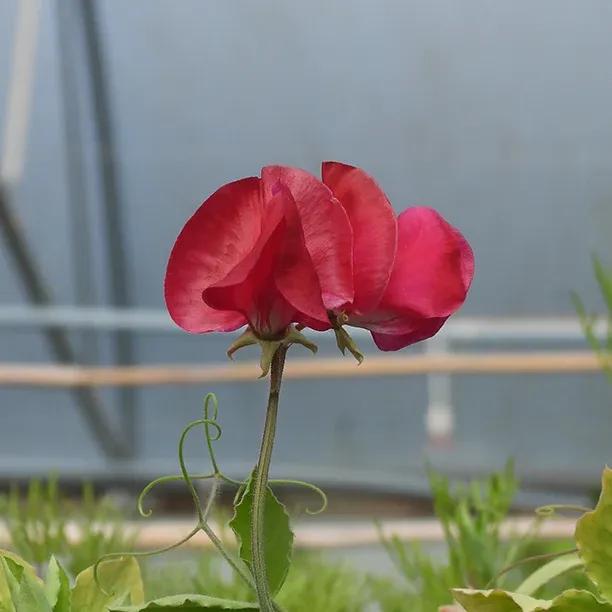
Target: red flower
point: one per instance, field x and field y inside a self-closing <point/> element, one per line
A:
<point x="410" y="273"/>
<point x="287" y="248"/>
<point x="260" y="253"/>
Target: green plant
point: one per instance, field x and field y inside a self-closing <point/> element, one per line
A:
<point x="603" y="348"/>
<point x="471" y="516"/>
<point x="42" y="522"/>
<point x="22" y="590"/>
<point x="314" y="584"/>
<point x="592" y="556"/>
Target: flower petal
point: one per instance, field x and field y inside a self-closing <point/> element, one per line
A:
<point x="256" y="296"/>
<point x="327" y="231"/>
<point x="433" y="269"/>
<point x="295" y="275"/>
<point x="374" y="230"/>
<point x="281" y="286"/>
<point x="424" y="329"/>
<point x="216" y="239"/>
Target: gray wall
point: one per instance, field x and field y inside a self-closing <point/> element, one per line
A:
<point x="495" y="113"/>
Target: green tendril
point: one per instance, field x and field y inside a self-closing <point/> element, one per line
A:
<point x="164" y="480"/>
<point x="186" y="476"/>
<point x="552" y="509"/>
<point x="307" y="485"/>
<point x="212" y="433"/>
<point x="546" y="557"/>
<point x="212" y="497"/>
<point x="140" y="554"/>
<point x="211" y="399"/>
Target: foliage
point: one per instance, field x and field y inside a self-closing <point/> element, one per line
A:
<point x="191" y="602"/>
<point x="277" y="533"/>
<point x="313" y="584"/>
<point x="603" y="348"/>
<point x="21" y="590"/>
<point x="594" y="546"/>
<point x="471" y="516"/>
<point x="43" y="523"/>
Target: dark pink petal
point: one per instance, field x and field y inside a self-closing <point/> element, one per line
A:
<point x="327" y="231"/>
<point x="374" y="231"/>
<point x="434" y="266"/>
<point x="216" y="239"/>
<point x="423" y="330"/>
<point x="295" y="275"/>
<point x="256" y="296"/>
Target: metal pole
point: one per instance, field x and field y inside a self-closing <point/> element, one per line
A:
<point x="11" y="170"/>
<point x="80" y="221"/>
<point x="87" y="400"/>
<point x="115" y="238"/>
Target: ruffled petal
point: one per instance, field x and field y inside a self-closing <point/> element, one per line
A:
<point x="295" y="275"/>
<point x="327" y="231"/>
<point x="220" y="235"/>
<point x="281" y="287"/>
<point x="433" y="269"/>
<point x="374" y="228"/>
<point x="423" y="329"/>
<point x="256" y="295"/>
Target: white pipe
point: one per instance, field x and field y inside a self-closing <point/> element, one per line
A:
<point x="19" y="92"/>
<point x="157" y="320"/>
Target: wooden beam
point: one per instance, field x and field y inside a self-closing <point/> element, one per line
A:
<point x="550" y="362"/>
<point x="317" y="534"/>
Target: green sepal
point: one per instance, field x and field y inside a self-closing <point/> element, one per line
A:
<point x="294" y="336"/>
<point x="346" y="343"/>
<point x="247" y="338"/>
<point x="269" y="347"/>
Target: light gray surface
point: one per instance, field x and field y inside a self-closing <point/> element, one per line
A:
<point x="497" y="114"/>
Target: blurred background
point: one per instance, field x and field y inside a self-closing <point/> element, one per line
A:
<point x="118" y="118"/>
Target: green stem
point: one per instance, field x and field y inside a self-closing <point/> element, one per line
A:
<point x="260" y="485"/>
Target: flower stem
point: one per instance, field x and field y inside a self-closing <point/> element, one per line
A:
<point x="260" y="485"/>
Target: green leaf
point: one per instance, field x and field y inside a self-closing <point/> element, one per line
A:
<point x="57" y="587"/>
<point x="547" y="572"/>
<point x="32" y="596"/>
<point x="191" y="602"/>
<point x="119" y="579"/>
<point x="278" y="536"/>
<point x="496" y="601"/>
<point x="20" y="589"/>
<point x="578" y="601"/>
<point x="6" y="599"/>
<point x="502" y="601"/>
<point x="17" y="561"/>
<point x="10" y="582"/>
<point x="594" y="539"/>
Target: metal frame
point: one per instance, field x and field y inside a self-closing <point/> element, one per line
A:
<point x="120" y="320"/>
<point x="440" y="413"/>
<point x="115" y="442"/>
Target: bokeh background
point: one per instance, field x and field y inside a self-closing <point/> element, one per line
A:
<point x="495" y="113"/>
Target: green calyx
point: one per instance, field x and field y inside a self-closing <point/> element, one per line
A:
<point x="269" y="347"/>
<point x="346" y="343"/>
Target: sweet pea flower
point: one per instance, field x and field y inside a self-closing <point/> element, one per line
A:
<point x="258" y="253"/>
<point x="287" y="248"/>
<point x="410" y="273"/>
